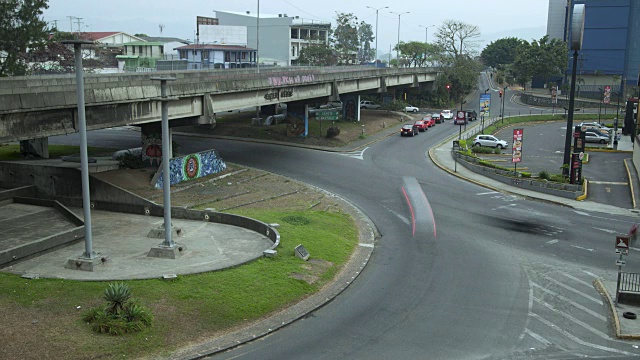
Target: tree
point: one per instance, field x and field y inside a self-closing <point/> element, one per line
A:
<point x="22" y="30"/>
<point x="365" y="35"/>
<point x="345" y="37"/>
<point x="457" y="38"/>
<point x="141" y="35"/>
<point x="542" y="57"/>
<point x="317" y="55"/>
<point x="500" y="52"/>
<point x="417" y="53"/>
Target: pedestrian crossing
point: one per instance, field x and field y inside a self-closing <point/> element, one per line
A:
<point x="567" y="318"/>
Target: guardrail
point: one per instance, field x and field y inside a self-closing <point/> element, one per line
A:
<point x="630" y="282"/>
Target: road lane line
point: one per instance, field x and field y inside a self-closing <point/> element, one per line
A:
<point x="583" y="308"/>
<point x="597" y="301"/>
<point x="577" y="280"/>
<point x="413" y="218"/>
<point x="582" y="248"/>
<point x="551" y="242"/>
<point x="579" y="341"/>
<point x="537" y="337"/>
<point x="487" y="193"/>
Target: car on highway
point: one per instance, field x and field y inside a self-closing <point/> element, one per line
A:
<point x="410" y="108"/>
<point x="332" y="105"/>
<point x="471" y="115"/>
<point x="429" y="120"/>
<point x="596" y="136"/>
<point x="409" y="129"/>
<point x="437" y="118"/>
<point x="490" y="141"/>
<point x="369" y="105"/>
<point x="422" y="125"/>
<point x="447" y="114"/>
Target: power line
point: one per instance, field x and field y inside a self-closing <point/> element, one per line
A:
<point x="308" y="13"/>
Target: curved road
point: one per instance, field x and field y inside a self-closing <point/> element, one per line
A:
<point x="459" y="272"/>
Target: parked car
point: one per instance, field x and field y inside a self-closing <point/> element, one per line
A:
<point x="369" y="105"/>
<point x="471" y="115"/>
<point x="595" y="125"/>
<point x="411" y="109"/>
<point x="596" y="136"/>
<point x="489" y="140"/>
<point x="422" y="125"/>
<point x="438" y="118"/>
<point x="447" y="114"/>
<point x="429" y="120"/>
<point x="409" y="129"/>
<point x="332" y="105"/>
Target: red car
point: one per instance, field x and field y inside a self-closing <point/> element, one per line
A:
<point x="429" y="121"/>
<point x="421" y="125"/>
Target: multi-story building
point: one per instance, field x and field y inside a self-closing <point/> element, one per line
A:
<point x="140" y="55"/>
<point x="281" y="37"/>
<point x="169" y="45"/>
<point x="212" y="56"/>
<point x="610" y="51"/>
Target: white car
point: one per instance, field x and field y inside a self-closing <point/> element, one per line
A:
<point x="595" y="125"/>
<point x="447" y="114"/>
<point x="369" y="105"/>
<point x="490" y="141"/>
<point x="411" y="109"/>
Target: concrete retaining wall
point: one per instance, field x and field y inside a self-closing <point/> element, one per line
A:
<point x="537" y="100"/>
<point x="568" y="191"/>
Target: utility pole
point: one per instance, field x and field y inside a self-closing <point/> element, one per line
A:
<point x="71" y="23"/>
<point x="79" y="23"/>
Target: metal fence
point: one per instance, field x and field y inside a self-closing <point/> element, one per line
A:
<point x="630" y="282"/>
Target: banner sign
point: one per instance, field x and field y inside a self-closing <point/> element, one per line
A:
<point x="554" y="95"/>
<point x="607" y="94"/>
<point x="517" y="146"/>
<point x="485" y="104"/>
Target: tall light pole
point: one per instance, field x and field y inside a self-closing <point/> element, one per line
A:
<point x="386" y="7"/>
<point x="258" y="39"/>
<point x="426" y="32"/>
<point x="398" y="48"/>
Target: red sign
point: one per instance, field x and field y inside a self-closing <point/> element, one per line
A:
<point x="517" y="146"/>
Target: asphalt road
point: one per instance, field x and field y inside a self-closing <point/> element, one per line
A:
<point x="459" y="272"/>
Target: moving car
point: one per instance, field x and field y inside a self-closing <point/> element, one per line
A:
<point x="438" y="118"/>
<point x="447" y="114"/>
<point x="596" y="136"/>
<point x="369" y="105"/>
<point x="411" y="109"/>
<point x="430" y="121"/>
<point x="422" y="125"/>
<point x="409" y="129"/>
<point x="490" y="141"/>
<point x="471" y="115"/>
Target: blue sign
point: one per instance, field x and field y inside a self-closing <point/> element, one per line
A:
<point x="485" y="104"/>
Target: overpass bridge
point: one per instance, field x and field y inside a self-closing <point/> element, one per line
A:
<point x="35" y="107"/>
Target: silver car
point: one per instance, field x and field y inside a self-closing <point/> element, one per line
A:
<point x="596" y="136"/>
<point x="489" y="140"/>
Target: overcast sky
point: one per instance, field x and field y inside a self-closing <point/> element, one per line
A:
<point x="526" y="19"/>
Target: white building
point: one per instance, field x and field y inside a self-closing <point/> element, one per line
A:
<point x="281" y="37"/>
<point x="170" y="45"/>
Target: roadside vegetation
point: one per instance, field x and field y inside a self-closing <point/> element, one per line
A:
<point x="12" y="152"/>
<point x="186" y="310"/>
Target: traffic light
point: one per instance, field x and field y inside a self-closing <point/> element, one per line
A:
<point x="500" y="93"/>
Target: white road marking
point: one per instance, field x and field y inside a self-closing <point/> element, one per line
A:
<point x="402" y="218"/>
<point x="569" y="301"/>
<point x="607" y="230"/>
<point x="366" y="245"/>
<point x="579" y="341"/>
<point x="581" y="213"/>
<point x="537" y="337"/>
<point x="589" y="273"/>
<point x="607" y="182"/>
<point x="551" y="242"/>
<point x="355" y="154"/>
<point x="586" y="296"/>
<point x="572" y="319"/>
<point x="583" y="248"/>
<point x="576" y="279"/>
<point x="487" y="193"/>
<point x="504" y="207"/>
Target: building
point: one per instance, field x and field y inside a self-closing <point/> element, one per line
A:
<point x="213" y="56"/>
<point x="610" y="53"/>
<point x="281" y="37"/>
<point x="140" y="56"/>
<point x="169" y="45"/>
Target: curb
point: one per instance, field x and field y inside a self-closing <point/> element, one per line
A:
<point x="367" y="233"/>
<point x="633" y="195"/>
<point x="616" y="321"/>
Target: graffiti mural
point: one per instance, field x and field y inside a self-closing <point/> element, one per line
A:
<point x="152" y="149"/>
<point x="350" y="110"/>
<point x="295" y="127"/>
<point x="191" y="167"/>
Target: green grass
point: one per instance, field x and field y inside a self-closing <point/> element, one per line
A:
<point x="192" y="306"/>
<point x="578" y="118"/>
<point x="12" y="152"/>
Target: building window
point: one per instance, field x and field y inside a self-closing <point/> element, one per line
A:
<point x="133" y="49"/>
<point x="227" y="56"/>
<point x="294" y="33"/>
<point x="293" y="51"/>
<point x="244" y="56"/>
<point x="140" y="49"/>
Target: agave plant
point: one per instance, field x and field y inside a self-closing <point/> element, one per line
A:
<point x="117" y="295"/>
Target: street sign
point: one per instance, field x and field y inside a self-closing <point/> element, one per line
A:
<point x="461" y="117"/>
<point x="327" y="115"/>
<point x="620" y="262"/>
<point x="622" y="242"/>
<point x="622" y="252"/>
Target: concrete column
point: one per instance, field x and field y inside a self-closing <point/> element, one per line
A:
<point x="35" y="147"/>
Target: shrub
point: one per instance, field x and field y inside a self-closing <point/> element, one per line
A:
<point x="121" y="315"/>
<point x="558" y="178"/>
<point x="130" y="161"/>
<point x="543" y="175"/>
<point x="463" y="143"/>
<point x="525" y="174"/>
<point x="482" y="150"/>
<point x="333" y="132"/>
<point x="497" y="150"/>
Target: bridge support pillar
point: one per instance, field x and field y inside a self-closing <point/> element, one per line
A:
<point x="152" y="143"/>
<point x="35" y="147"/>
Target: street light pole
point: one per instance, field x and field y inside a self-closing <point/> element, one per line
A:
<point x="426" y="32"/>
<point x="386" y="7"/>
<point x="398" y="46"/>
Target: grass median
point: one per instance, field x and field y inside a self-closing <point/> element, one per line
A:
<point x="42" y="317"/>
